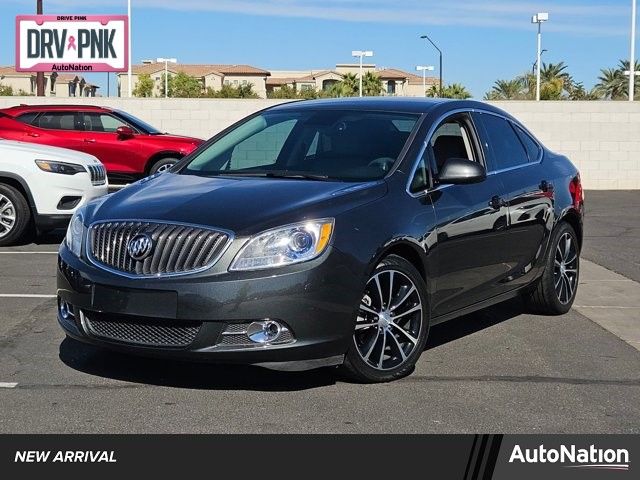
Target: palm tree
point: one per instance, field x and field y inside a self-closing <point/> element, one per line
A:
<point x="371" y="84"/>
<point x="613" y="84"/>
<point x="506" y="90"/>
<point x="550" y="72"/>
<point x="578" y="92"/>
<point x="454" y="90"/>
<point x="349" y="86"/>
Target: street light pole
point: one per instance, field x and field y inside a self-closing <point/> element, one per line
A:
<point x="166" y="73"/>
<point x="361" y="54"/>
<point x="440" y="54"/>
<point x="632" y="57"/>
<point x="39" y="75"/>
<point x="539" y="18"/>
<point x="424" y="69"/>
<point x="129" y="80"/>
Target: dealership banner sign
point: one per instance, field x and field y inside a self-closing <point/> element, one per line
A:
<point x="72" y="43"/>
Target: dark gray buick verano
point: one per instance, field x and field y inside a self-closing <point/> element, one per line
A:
<point x="327" y="233"/>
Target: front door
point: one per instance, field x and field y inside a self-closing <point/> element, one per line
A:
<point x="471" y="223"/>
<point x="99" y="138"/>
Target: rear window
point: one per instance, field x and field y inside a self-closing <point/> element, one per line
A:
<point x="58" y="121"/>
<point x="530" y="145"/>
<point x="506" y="145"/>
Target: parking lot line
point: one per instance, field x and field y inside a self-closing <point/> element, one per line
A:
<point x="39" y="252"/>
<point x="8" y="385"/>
<point x="25" y="295"/>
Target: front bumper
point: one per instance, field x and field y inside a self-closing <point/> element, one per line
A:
<point x="316" y="301"/>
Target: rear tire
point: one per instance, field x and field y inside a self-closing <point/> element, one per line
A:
<point x="556" y="289"/>
<point x="163" y="165"/>
<point x="392" y="325"/>
<point x="15" y="215"/>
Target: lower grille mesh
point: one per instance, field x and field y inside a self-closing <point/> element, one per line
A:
<point x="141" y="331"/>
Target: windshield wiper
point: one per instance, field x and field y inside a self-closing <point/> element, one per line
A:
<point x="302" y="175"/>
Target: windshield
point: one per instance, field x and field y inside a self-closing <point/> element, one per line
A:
<point x="138" y="124"/>
<point x="343" y="145"/>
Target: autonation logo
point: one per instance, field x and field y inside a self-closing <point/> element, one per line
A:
<point x="573" y="457"/>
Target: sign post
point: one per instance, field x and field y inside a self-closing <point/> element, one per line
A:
<point x="39" y="75"/>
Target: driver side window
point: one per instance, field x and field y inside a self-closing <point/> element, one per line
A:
<point x="452" y="139"/>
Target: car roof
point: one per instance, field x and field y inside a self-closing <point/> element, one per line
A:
<point x="391" y="104"/>
<point x="22" y="108"/>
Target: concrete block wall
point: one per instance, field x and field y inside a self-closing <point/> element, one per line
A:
<point x="601" y="138"/>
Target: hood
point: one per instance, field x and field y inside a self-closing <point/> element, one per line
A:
<point x="46" y="152"/>
<point x="243" y="205"/>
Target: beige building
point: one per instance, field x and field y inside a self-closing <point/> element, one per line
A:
<point x="210" y="76"/>
<point x="55" y="85"/>
<point x="395" y="82"/>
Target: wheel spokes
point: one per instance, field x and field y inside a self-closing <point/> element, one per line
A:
<point x="384" y="339"/>
<point x="404" y="298"/>
<point x="410" y="337"/>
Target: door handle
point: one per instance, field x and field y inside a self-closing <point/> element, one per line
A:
<point x="33" y="134"/>
<point x="497" y="202"/>
<point x="90" y="140"/>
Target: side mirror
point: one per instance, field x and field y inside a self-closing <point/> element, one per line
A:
<point x="125" y="132"/>
<point x="459" y="171"/>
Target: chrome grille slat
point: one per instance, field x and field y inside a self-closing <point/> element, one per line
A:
<point x="178" y="248"/>
<point x="98" y="174"/>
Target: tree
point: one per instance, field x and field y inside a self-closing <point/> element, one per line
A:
<point x="144" y="87"/>
<point x="506" y="90"/>
<point x="613" y="84"/>
<point x="555" y="84"/>
<point x="232" y="91"/>
<point x="371" y="84"/>
<point x="6" y="90"/>
<point x="182" y="85"/>
<point x="349" y="86"/>
<point x="579" y="92"/>
<point x="454" y="90"/>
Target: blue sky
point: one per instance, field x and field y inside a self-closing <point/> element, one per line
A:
<point x="482" y="40"/>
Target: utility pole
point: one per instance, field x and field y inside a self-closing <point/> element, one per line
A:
<point x="426" y="37"/>
<point x="39" y="75"/>
<point x="539" y="18"/>
<point x="632" y="58"/>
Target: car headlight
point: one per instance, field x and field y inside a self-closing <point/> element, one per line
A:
<point x="75" y="232"/>
<point x="287" y="245"/>
<point x="64" y="168"/>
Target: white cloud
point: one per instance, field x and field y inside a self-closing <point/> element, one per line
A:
<point x="609" y="18"/>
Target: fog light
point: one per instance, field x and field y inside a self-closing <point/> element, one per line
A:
<point x="65" y="310"/>
<point x="264" y="332"/>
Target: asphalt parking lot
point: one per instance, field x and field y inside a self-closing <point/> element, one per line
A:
<point x="498" y="370"/>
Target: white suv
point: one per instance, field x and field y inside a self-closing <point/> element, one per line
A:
<point x="43" y="186"/>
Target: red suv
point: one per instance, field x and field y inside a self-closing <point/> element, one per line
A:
<point x="128" y="147"/>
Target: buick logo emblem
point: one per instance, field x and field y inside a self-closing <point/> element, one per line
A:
<point x="140" y="246"/>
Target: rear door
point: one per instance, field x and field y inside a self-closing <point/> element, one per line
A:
<point x="55" y="128"/>
<point x="515" y="157"/>
<point x="471" y="222"/>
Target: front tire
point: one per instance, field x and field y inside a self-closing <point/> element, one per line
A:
<point x="556" y="290"/>
<point x="392" y="324"/>
<point x="15" y="215"/>
<point x="163" y="165"/>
